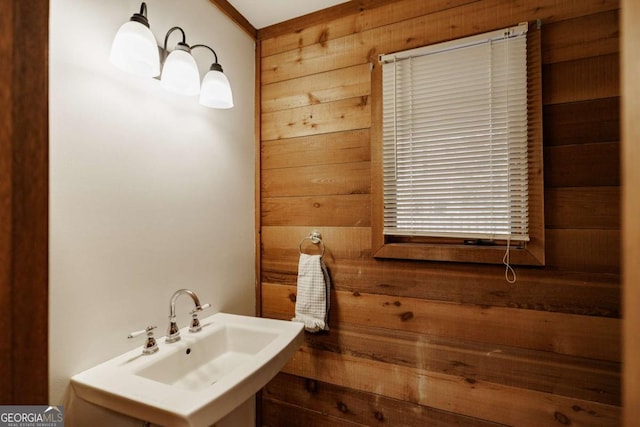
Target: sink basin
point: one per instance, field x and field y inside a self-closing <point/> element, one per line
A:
<point x="197" y="380"/>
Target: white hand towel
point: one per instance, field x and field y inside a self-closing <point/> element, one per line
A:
<point x="312" y="300"/>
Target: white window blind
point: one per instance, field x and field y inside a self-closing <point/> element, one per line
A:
<point x="455" y="138"/>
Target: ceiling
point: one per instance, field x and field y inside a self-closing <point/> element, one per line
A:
<point x="263" y="13"/>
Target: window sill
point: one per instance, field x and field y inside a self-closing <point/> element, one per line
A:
<point x="532" y="255"/>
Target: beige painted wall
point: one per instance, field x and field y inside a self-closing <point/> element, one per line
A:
<point x="150" y="192"/>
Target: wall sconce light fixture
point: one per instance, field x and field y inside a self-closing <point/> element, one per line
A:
<point x="136" y="51"/>
<point x="179" y="70"/>
<point x="216" y="90"/>
<point x="134" y="48"/>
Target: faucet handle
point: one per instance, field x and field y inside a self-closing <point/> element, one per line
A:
<point x="150" y="346"/>
<point x="195" y="322"/>
<point x="203" y="307"/>
<point x="135" y="334"/>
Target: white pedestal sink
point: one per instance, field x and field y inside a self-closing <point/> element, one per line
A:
<point x="197" y="380"/>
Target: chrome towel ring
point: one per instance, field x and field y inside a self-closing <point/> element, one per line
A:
<point x="316" y="239"/>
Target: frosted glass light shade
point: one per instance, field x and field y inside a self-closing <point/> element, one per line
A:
<point x="216" y="90"/>
<point x="135" y="50"/>
<point x="180" y="73"/>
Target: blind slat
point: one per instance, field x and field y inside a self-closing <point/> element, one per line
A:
<point x="455" y="140"/>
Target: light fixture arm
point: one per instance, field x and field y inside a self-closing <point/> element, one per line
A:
<point x="141" y="17"/>
<point x="215" y="66"/>
<point x="181" y="45"/>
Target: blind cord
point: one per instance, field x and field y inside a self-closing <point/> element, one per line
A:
<point x="507" y="254"/>
<point x="507" y="263"/>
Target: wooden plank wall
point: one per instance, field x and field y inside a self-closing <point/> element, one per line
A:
<point x="24" y="202"/>
<point x="428" y="343"/>
<point x="630" y="85"/>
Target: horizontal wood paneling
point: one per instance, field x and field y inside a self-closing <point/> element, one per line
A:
<point x="345" y="21"/>
<point x="595" y="120"/>
<point x="593" y="35"/>
<point x="274" y="411"/>
<point x="478" y="399"/>
<point x="581" y="79"/>
<point x="321" y="149"/>
<point x="349" y="260"/>
<point x="588" y="336"/>
<point x="541" y="371"/>
<point x="582" y="207"/>
<point x="445" y="24"/>
<point x="439" y="341"/>
<point x="347" y="211"/>
<point x="566" y="292"/>
<point x="316" y="180"/>
<point x="343" y="83"/>
<point x="348" y="114"/>
<point x="359" y="407"/>
<point x="584" y="250"/>
<point x="365" y="15"/>
<point x="583" y="165"/>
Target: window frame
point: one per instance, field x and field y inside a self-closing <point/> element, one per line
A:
<point x="434" y="249"/>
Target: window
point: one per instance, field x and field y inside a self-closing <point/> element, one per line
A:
<point x="459" y="151"/>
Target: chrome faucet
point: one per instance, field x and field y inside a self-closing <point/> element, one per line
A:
<point x="150" y="346"/>
<point x="173" y="333"/>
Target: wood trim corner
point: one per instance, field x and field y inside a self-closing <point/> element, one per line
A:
<point x="236" y="17"/>
<point x="377" y="181"/>
<point x="630" y="158"/>
<point x="24" y="187"/>
<point x="258" y="175"/>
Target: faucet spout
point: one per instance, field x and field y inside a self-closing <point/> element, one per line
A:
<point x="174" y="298"/>
<point x="173" y="333"/>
